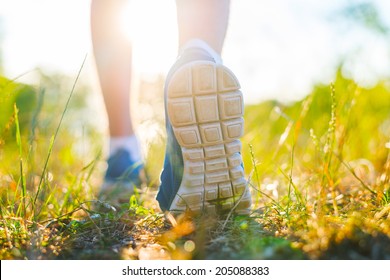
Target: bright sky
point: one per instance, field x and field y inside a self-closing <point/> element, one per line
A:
<point x="278" y="49"/>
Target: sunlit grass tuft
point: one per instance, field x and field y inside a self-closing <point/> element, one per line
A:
<point x="318" y="171"/>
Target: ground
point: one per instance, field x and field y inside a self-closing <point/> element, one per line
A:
<point x="318" y="171"/>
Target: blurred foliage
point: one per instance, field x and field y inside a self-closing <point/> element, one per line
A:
<point x="362" y="123"/>
<point x="25" y="98"/>
<point x="366" y="14"/>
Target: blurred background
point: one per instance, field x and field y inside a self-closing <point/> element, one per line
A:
<point x="278" y="49"/>
<point x="316" y="147"/>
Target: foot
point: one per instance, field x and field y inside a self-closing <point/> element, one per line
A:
<point x="122" y="177"/>
<point x="203" y="170"/>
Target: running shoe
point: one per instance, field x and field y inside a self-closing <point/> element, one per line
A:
<point x="203" y="169"/>
<point x="122" y="178"/>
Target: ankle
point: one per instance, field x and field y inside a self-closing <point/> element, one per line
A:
<point x="201" y="44"/>
<point x="128" y="143"/>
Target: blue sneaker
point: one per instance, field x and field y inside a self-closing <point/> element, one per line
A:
<point x="122" y="177"/>
<point x="203" y="170"/>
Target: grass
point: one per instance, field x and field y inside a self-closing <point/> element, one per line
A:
<point x="318" y="171"/>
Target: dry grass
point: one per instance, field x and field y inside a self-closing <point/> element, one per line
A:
<point x="318" y="170"/>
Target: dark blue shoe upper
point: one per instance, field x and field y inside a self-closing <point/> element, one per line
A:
<point x="122" y="169"/>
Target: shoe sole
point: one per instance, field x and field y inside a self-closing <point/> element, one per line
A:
<point x="205" y="108"/>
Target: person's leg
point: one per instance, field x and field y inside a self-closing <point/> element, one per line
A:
<point x="206" y="20"/>
<point x="113" y="62"/>
<point x="203" y="169"/>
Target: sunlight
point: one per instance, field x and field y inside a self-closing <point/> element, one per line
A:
<point x="151" y="26"/>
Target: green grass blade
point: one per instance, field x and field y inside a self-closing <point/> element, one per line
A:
<point x="41" y="181"/>
<point x="19" y="144"/>
<point x="54" y="137"/>
<point x="34" y="124"/>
